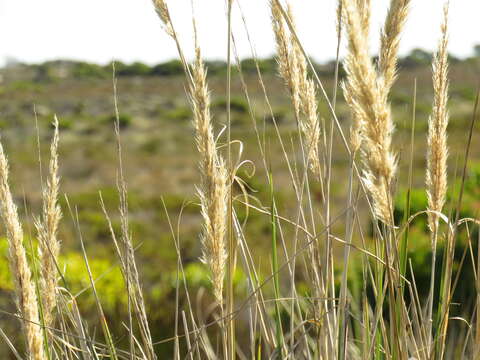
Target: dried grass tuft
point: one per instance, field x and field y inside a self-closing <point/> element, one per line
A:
<point x="390" y="41"/>
<point x="213" y="189"/>
<point x="24" y="285"/>
<point x="164" y="14"/>
<point x="292" y="67"/>
<point x="49" y="245"/>
<point x="437" y="151"/>
<point x="367" y="94"/>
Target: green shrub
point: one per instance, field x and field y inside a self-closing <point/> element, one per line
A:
<point x="179" y="113"/>
<point x="266" y="66"/>
<point x="95" y="225"/>
<point x="418" y="202"/>
<point x="472" y="184"/>
<point x="134" y="69"/>
<point x="170" y="68"/>
<point x="109" y="281"/>
<point x="151" y="146"/>
<point x="91" y="200"/>
<point x="43" y="73"/>
<point x="197" y="275"/>
<point x="23" y="85"/>
<point x="464" y="93"/>
<point x="400" y="98"/>
<point x="64" y="123"/>
<point x="124" y="120"/>
<point x="216" y="68"/>
<point x="237" y="104"/>
<point x="280" y="115"/>
<point x="417" y="57"/>
<point x="86" y="70"/>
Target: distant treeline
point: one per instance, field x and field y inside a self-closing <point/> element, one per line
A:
<point x="84" y="70"/>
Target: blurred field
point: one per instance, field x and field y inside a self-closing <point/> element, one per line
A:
<point x="160" y="162"/>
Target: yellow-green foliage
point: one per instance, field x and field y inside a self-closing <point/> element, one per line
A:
<point x="197" y="275"/>
<point x="6" y="282"/>
<point x="108" y="281"/>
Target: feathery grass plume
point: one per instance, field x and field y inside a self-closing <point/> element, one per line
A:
<point x="24" y="286"/>
<point x="390" y="40"/>
<point x="365" y="15"/>
<point x="213" y="190"/>
<point x="293" y="69"/>
<point x="355" y="135"/>
<point x="356" y="113"/>
<point x="371" y="108"/>
<point x="339" y="16"/>
<point x="164" y="14"/>
<point x="363" y="8"/>
<point x="310" y="125"/>
<point x="49" y="245"/>
<point x="437" y="154"/>
<point x="287" y="66"/>
<point x="437" y="151"/>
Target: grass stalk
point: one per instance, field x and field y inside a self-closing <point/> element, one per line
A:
<point x="436" y="177"/>
<point x="275" y="269"/>
<point x="25" y="291"/>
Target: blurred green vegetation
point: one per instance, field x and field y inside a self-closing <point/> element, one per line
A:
<point x="51" y="70"/>
<point x="160" y="165"/>
<point x="419" y="235"/>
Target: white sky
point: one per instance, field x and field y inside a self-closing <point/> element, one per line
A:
<point x="128" y="30"/>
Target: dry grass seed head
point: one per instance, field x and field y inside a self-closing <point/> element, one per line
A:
<point x="213" y="190"/>
<point x="372" y="109"/>
<point x="287" y="66"/>
<point x="164" y="14"/>
<point x="390" y="40"/>
<point x="357" y="113"/>
<point x="293" y="69"/>
<point x="49" y="245"/>
<point x="24" y="286"/>
<point x="437" y="150"/>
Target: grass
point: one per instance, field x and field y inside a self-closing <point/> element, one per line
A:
<point x="301" y="237"/>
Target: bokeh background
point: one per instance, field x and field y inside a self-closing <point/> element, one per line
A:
<point x="56" y="59"/>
